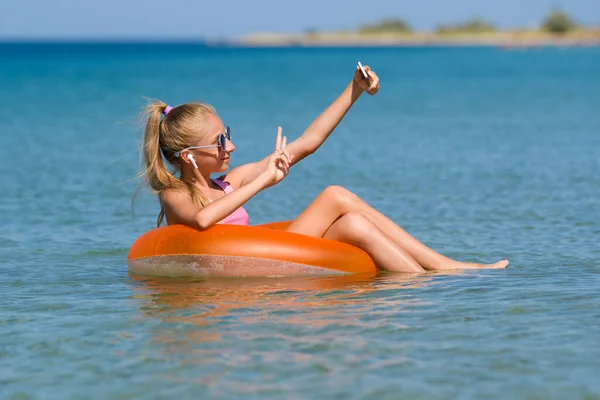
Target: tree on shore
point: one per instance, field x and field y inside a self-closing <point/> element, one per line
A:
<point x="559" y="22"/>
<point x="387" y="26"/>
<point x="473" y="25"/>
<point x="311" y="31"/>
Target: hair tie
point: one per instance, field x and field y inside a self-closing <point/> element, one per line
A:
<point x="167" y="110"/>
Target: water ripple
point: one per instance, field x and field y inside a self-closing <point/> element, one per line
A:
<point x="471" y="150"/>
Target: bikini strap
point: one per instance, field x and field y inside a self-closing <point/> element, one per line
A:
<point x="223" y="185"/>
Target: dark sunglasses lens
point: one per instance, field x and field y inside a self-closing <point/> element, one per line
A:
<point x="223" y="142"/>
<point x="228" y="133"/>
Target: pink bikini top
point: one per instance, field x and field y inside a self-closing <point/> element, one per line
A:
<point x="239" y="216"/>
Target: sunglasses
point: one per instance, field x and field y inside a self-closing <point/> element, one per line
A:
<point x="222" y="143"/>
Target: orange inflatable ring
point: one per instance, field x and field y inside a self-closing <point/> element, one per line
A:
<point x="235" y="250"/>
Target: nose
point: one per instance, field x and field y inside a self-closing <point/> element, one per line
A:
<point x="230" y="146"/>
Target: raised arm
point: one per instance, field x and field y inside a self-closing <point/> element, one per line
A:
<point x="317" y="132"/>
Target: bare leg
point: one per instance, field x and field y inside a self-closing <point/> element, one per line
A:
<point x="338" y="200"/>
<point x="355" y="229"/>
<point x="322" y="219"/>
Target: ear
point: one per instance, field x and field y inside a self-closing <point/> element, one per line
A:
<point x="183" y="157"/>
<point x="190" y="158"/>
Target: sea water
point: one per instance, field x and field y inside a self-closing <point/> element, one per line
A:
<point x="481" y="153"/>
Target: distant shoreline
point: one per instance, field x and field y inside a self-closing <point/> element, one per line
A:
<point x="495" y="39"/>
<point x="504" y="39"/>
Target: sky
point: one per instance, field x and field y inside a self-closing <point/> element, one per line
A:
<point x="189" y="19"/>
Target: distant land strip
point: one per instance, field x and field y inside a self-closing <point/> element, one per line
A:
<point x="501" y="39"/>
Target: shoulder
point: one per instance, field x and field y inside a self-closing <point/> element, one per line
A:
<point x="173" y="197"/>
<point x="178" y="207"/>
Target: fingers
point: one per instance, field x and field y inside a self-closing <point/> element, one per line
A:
<point x="370" y="84"/>
<point x="374" y="86"/>
<point x="373" y="77"/>
<point x="282" y="156"/>
<point x="282" y="151"/>
<point x="285" y="151"/>
<point x="366" y="80"/>
<point x="288" y="157"/>
<point x="281" y="163"/>
<point x="278" y="140"/>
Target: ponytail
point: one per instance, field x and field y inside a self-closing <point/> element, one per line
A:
<point x="156" y="172"/>
<point x="161" y="141"/>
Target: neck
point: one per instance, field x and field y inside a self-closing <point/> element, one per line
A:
<point x="196" y="177"/>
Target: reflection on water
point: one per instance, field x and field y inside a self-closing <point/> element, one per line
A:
<point x="228" y="330"/>
<point x="210" y="304"/>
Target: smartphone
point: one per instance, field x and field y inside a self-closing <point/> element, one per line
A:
<point x="364" y="73"/>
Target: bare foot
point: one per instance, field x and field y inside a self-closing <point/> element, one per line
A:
<point x="455" y="265"/>
<point x="497" y="265"/>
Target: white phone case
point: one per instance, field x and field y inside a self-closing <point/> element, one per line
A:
<point x="363" y="71"/>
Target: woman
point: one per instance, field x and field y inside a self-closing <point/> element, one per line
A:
<point x="193" y="139"/>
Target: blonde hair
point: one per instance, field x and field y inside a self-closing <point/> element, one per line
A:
<point x="182" y="127"/>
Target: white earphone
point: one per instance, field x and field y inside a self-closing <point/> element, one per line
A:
<point x="192" y="160"/>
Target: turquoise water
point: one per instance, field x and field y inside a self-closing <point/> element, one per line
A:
<point x="481" y="153"/>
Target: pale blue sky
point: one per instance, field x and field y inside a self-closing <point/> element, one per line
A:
<point x="221" y="18"/>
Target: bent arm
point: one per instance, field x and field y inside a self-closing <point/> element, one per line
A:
<point x="181" y="210"/>
<point x="312" y="138"/>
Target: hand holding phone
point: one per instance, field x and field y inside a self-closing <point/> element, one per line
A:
<point x="364" y="73"/>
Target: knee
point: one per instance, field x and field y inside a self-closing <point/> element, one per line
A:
<point x="340" y="196"/>
<point x="356" y="226"/>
